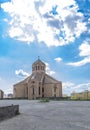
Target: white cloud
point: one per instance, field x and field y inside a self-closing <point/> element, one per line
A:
<point x="0" y="78"/>
<point x="48" y="70"/>
<point x="8" y="90"/>
<point x="84" y="49"/>
<point x="68" y="84"/>
<point x="84" y="52"/>
<point x="6" y="85"/>
<point x="80" y="63"/>
<point x="83" y="87"/>
<point x="69" y="87"/>
<point x="14" y="32"/>
<point x="58" y="59"/>
<point x="22" y="73"/>
<point x="34" y="20"/>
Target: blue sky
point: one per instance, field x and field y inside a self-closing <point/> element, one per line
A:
<point x="57" y="31"/>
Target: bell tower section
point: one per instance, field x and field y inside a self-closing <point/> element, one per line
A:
<point x="38" y="66"/>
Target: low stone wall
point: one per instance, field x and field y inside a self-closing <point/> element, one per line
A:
<point x="8" y="111"/>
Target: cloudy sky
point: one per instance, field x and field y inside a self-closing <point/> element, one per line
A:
<point x="56" y="30"/>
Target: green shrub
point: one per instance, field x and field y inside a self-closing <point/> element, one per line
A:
<point x="44" y="100"/>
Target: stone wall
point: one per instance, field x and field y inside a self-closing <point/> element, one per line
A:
<point x="19" y="91"/>
<point x="8" y="111"/>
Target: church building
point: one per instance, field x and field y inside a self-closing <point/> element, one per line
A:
<point x="38" y="84"/>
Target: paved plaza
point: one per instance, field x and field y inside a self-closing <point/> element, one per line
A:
<point x="54" y="115"/>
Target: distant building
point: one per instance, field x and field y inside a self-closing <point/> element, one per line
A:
<point x="81" y="95"/>
<point x="38" y="84"/>
<point x="10" y="95"/>
<point x="1" y="94"/>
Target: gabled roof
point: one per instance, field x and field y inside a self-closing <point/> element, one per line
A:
<point x="34" y="76"/>
<point x="23" y="81"/>
<point x="49" y="79"/>
<point x="40" y="77"/>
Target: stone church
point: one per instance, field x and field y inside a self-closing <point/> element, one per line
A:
<point x="38" y="84"/>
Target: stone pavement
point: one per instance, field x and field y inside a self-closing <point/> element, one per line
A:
<point x="54" y="115"/>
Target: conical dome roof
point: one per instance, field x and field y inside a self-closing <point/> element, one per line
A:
<point x="38" y="61"/>
<point x="39" y="66"/>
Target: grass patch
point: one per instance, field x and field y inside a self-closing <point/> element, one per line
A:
<point x="45" y="100"/>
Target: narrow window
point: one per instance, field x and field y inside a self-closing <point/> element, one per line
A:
<point x="55" y="95"/>
<point x="42" y="90"/>
<point x="39" y="90"/>
<point x="55" y="89"/>
<point x="38" y="67"/>
<point x="33" y="91"/>
<point x="15" y="89"/>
